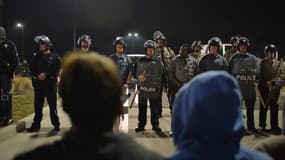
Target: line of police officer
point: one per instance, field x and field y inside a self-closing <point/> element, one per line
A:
<point x="269" y="75"/>
<point x="45" y="67"/>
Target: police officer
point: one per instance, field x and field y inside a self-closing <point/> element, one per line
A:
<point x="8" y="63"/>
<point x="125" y="67"/>
<point x="270" y="83"/>
<point x="230" y="52"/>
<point x="149" y="73"/>
<point x="121" y="59"/>
<point x="196" y="47"/>
<point x="164" y="54"/>
<point x="182" y="68"/>
<point x="84" y="43"/>
<point x="213" y="60"/>
<point x="243" y="66"/>
<point x="44" y="67"/>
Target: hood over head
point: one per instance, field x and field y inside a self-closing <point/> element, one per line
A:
<point x="207" y="111"/>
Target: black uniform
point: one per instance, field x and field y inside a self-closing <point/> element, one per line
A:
<point x="8" y="64"/>
<point x="213" y="62"/>
<point x="243" y="67"/>
<point x="150" y="93"/>
<point x="49" y="64"/>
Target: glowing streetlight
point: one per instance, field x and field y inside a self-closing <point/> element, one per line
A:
<point x="132" y="37"/>
<point x="21" y="27"/>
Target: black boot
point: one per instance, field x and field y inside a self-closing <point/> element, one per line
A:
<point x="34" y="128"/>
<point x="139" y="129"/>
<point x="156" y="129"/>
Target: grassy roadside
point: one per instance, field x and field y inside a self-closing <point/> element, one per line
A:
<point x="23" y="97"/>
<point x="23" y="104"/>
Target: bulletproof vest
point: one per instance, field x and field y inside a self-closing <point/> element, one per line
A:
<point x="152" y="71"/>
<point x="212" y="62"/>
<point x="123" y="65"/>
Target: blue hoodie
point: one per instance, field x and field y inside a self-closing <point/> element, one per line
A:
<point x="208" y="122"/>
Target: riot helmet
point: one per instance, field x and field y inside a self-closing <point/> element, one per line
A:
<point x="196" y="43"/>
<point x="43" y="39"/>
<point x="2" y="33"/>
<point x="186" y="47"/>
<point x="234" y="39"/>
<point x="149" y="44"/>
<point x="84" y="37"/>
<point x="215" y="41"/>
<point x="270" y="48"/>
<point x="120" y="40"/>
<point x="184" y="50"/>
<point x="243" y="41"/>
<point x="160" y="37"/>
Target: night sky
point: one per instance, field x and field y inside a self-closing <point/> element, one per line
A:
<point x="180" y="20"/>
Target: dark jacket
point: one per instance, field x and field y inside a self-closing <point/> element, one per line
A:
<point x="9" y="59"/>
<point x="107" y="147"/>
<point x="213" y="62"/>
<point x="208" y="121"/>
<point x="49" y="64"/>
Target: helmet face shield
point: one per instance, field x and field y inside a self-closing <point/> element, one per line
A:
<point x="271" y="49"/>
<point x="85" y="38"/>
<point x="234" y="39"/>
<point x="196" y="43"/>
<point x="243" y="41"/>
<point x="156" y="34"/>
<point x="120" y="40"/>
<point x="44" y="40"/>
<point x="215" y="41"/>
<point x="149" y="44"/>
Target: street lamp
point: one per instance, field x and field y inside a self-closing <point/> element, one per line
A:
<point x="21" y="26"/>
<point x="132" y="36"/>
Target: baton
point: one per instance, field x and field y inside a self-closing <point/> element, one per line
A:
<point x="133" y="100"/>
<point x="259" y="96"/>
